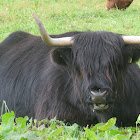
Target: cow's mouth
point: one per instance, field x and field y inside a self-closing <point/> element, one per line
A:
<point x="100" y="107"/>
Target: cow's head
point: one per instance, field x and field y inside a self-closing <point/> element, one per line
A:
<point x="98" y="62"/>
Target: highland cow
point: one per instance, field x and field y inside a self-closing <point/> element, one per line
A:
<point x="80" y="77"/>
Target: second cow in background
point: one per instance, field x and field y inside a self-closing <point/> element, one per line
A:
<point x="120" y="4"/>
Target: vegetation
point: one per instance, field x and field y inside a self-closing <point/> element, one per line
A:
<point x="61" y="16"/>
<point x="57" y="130"/>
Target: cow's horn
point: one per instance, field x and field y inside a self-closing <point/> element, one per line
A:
<point x="131" y="39"/>
<point x="54" y="42"/>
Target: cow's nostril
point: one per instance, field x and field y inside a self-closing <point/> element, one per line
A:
<point x="96" y="89"/>
<point x="98" y="94"/>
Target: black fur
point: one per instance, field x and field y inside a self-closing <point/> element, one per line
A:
<point x="44" y="82"/>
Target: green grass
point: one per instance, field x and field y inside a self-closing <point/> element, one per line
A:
<point x="61" y="16"/>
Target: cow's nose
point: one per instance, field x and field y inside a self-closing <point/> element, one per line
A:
<point x="98" y="97"/>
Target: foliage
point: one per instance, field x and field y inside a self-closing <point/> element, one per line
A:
<point x="12" y="128"/>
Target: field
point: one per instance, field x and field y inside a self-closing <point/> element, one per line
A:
<point x="61" y="16"/>
<point x="67" y="15"/>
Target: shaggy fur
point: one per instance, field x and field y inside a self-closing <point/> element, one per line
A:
<point x="44" y="82"/>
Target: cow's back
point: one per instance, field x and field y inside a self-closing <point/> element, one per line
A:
<point x="25" y="66"/>
<point x="21" y="59"/>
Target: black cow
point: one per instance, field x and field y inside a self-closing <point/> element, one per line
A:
<point x="79" y="77"/>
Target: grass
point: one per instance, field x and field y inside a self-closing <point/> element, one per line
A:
<point x="67" y="15"/>
<point x="61" y="16"/>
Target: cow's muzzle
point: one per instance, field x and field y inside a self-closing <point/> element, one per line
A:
<point x="98" y="100"/>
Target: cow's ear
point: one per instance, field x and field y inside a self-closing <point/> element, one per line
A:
<point x="61" y="56"/>
<point x="132" y="52"/>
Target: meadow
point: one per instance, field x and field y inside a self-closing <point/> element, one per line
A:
<point x="59" y="16"/>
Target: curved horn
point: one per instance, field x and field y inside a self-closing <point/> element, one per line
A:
<point x="131" y="39"/>
<point x="55" y="42"/>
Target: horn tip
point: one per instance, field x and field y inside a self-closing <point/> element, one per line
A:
<point x="34" y="16"/>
